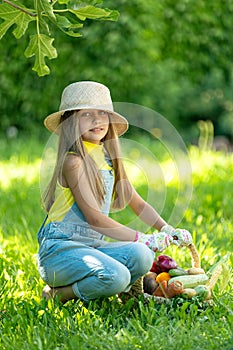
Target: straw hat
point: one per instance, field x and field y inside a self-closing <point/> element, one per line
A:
<point x="82" y="95"/>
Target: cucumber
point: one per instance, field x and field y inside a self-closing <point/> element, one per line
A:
<point x="177" y="272"/>
<point x="190" y="281"/>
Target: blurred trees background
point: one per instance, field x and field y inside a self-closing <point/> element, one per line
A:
<point x="172" y="56"/>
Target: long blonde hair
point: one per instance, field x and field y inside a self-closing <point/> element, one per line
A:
<point x="70" y="140"/>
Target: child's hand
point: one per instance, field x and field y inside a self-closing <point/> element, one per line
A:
<point x="180" y="236"/>
<point x="155" y="241"/>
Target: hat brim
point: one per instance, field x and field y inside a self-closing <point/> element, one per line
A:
<point x="52" y="121"/>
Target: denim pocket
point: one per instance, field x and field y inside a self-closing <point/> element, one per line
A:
<point x="60" y="231"/>
<point x="87" y="232"/>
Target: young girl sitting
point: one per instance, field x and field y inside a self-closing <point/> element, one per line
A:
<point x="89" y="176"/>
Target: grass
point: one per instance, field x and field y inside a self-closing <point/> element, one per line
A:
<point x="27" y="322"/>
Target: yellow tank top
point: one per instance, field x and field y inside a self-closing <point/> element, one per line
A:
<point x="64" y="198"/>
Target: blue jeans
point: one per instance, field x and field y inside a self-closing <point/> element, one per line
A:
<point x="94" y="271"/>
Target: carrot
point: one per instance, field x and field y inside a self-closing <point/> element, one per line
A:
<point x="175" y="288"/>
<point x="161" y="290"/>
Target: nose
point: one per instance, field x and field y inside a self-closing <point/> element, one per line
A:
<point x="96" y="118"/>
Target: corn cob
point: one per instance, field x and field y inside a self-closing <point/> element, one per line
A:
<point x="215" y="275"/>
<point x="195" y="256"/>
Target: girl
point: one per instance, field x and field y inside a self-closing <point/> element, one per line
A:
<point x="74" y="259"/>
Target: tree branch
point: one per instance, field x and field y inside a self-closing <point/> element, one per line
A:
<point x="20" y="8"/>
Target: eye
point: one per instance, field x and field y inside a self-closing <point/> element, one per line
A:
<point x="86" y="114"/>
<point x="103" y="113"/>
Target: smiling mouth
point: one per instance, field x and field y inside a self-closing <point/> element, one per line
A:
<point x="97" y="129"/>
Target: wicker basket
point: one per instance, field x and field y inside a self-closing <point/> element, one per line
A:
<point x="137" y="288"/>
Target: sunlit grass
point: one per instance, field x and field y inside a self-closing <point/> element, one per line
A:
<point x="209" y="166"/>
<point x="14" y="170"/>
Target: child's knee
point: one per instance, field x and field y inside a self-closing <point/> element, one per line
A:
<point x="144" y="258"/>
<point x="120" y="280"/>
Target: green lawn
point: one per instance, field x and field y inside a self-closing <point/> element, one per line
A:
<point x="27" y="322"/>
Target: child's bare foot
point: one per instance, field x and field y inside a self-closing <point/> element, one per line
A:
<point x="65" y="293"/>
<point x="49" y="293"/>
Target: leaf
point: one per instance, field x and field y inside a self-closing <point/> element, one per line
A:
<point x="41" y="43"/>
<point x="13" y="16"/>
<point x="41" y="46"/>
<point x="63" y="1"/>
<point x="62" y="21"/>
<point x="46" y="7"/>
<point x="83" y="3"/>
<point x="93" y="12"/>
<point x="68" y="27"/>
<point x="44" y="11"/>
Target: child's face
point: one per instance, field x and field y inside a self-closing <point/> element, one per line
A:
<point x="93" y="124"/>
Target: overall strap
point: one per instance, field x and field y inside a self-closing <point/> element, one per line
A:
<point x="42" y="226"/>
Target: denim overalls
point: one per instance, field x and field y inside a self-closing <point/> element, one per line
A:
<point x="71" y="253"/>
